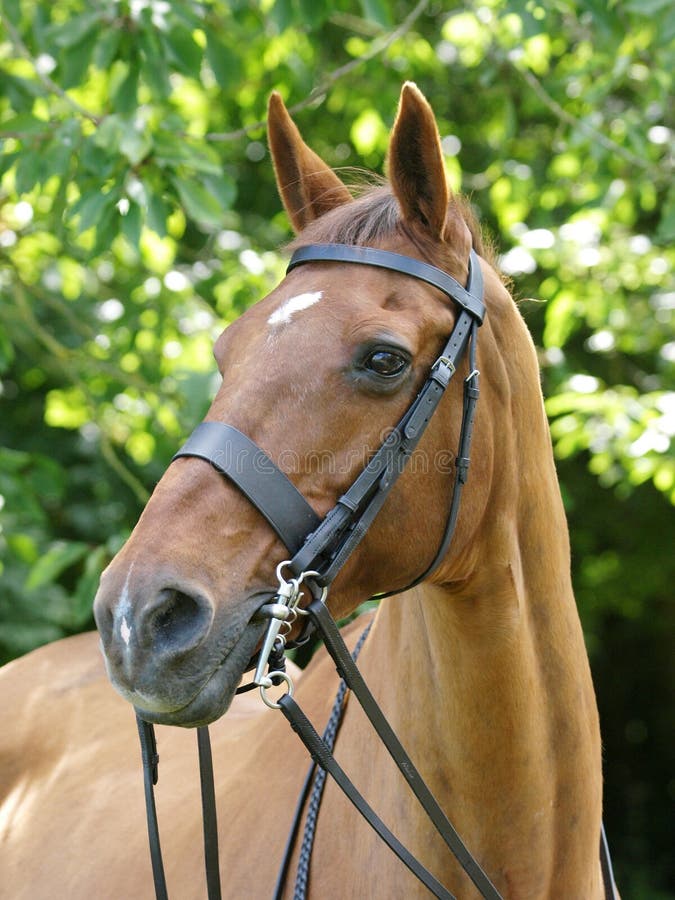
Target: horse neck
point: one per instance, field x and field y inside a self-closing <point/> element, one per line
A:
<point x="486" y="680"/>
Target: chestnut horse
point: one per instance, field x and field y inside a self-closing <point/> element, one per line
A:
<point x="481" y="668"/>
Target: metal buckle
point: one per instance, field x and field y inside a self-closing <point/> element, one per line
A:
<point x="443" y="370"/>
<point x="282" y="613"/>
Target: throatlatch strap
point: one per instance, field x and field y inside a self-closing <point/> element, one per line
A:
<point x="271" y="492"/>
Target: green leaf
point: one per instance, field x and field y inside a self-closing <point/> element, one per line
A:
<point x="13" y="10"/>
<point x="59" y="152"/>
<point x="225" y="64"/>
<point x="199" y="204"/>
<point x="647" y="8"/>
<point x="111" y="131"/>
<point x="30" y="170"/>
<point x="96" y="160"/>
<point x="20" y="92"/>
<point x="57" y="559"/>
<point x="174" y="150"/>
<point x="666" y="229"/>
<point x="7" y="160"/>
<point x="13" y="460"/>
<point x="157" y="211"/>
<point x="561" y="319"/>
<point x="183" y="51"/>
<point x="154" y="66"/>
<point x="282" y="14"/>
<point x="377" y="11"/>
<point x="75" y="30"/>
<point x="222" y="187"/>
<point x="124" y="97"/>
<point x="105" y="50"/>
<point x="76" y="62"/>
<point x="131" y="225"/>
<point x="82" y="601"/>
<point x="107" y="227"/>
<point x="6" y="349"/>
<point x="313" y="12"/>
<point x="135" y="145"/>
<point x="25" y="123"/>
<point x="91" y="207"/>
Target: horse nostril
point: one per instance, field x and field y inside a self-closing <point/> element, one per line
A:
<point x="105" y="621"/>
<point x="178" y="622"/>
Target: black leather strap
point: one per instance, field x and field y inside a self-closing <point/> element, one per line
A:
<point x="606" y="866"/>
<point x="146" y="734"/>
<point x="329" y="735"/>
<point x="327" y="549"/>
<point x="471" y="394"/>
<point x="271" y="492"/>
<point x="349" y="672"/>
<point x="330" y="542"/>
<point x="209" y="815"/>
<point x="406" y="265"/>
<point x="325" y="759"/>
<point x="329" y="546"/>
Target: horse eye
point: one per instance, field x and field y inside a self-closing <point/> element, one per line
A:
<point x="386" y="363"/>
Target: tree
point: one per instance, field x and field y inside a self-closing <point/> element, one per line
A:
<point x="138" y="215"/>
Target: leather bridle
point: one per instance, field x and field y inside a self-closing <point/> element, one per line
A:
<point x="323" y="546"/>
<point x="319" y="549"/>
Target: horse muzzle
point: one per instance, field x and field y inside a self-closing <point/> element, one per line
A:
<point x="174" y="656"/>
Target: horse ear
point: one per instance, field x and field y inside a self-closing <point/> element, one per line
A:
<point x="308" y="187"/>
<point x="415" y="163"/>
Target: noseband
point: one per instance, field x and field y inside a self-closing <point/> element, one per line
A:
<point x="319" y="549"/>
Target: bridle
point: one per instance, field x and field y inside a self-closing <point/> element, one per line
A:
<point x="319" y="549"/>
<point x="323" y="546"/>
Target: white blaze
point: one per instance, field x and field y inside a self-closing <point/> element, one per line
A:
<point x="288" y="308"/>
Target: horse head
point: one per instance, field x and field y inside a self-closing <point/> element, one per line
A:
<point x="316" y="374"/>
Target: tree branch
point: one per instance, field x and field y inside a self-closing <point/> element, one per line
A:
<point x="564" y="116"/>
<point x="318" y="93"/>
<point x="50" y="86"/>
<point x="64" y="356"/>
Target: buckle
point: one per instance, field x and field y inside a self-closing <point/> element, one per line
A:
<point x="443" y="370"/>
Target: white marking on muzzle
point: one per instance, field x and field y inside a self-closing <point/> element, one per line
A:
<point x="288" y="308"/>
<point x="124" y="606"/>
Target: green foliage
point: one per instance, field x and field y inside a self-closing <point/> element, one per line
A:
<point x="138" y="215"/>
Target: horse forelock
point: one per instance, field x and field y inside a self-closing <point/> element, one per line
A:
<point x="374" y="217"/>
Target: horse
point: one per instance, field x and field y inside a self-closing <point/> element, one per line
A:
<point x="479" y="666"/>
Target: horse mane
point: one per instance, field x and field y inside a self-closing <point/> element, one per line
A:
<point x="374" y="216"/>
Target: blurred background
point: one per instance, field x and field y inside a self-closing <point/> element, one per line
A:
<point x="138" y="216"/>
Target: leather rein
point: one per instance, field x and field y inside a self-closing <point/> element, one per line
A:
<point x="319" y="548"/>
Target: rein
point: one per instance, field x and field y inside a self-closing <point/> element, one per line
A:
<point x="319" y="548"/>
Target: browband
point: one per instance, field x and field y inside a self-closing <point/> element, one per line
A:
<point x="396" y="262"/>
